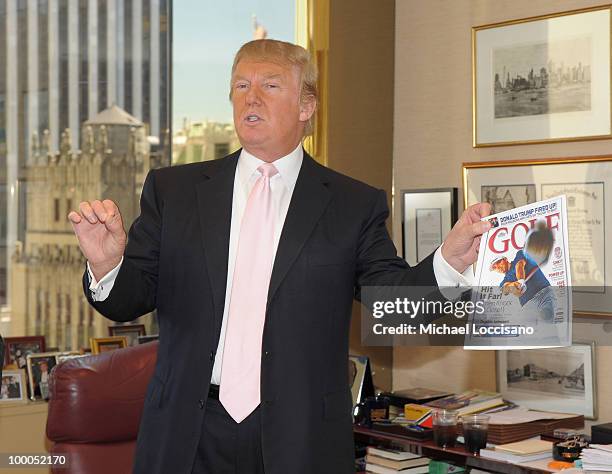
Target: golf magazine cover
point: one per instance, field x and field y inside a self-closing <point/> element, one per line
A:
<point x="523" y="280"/>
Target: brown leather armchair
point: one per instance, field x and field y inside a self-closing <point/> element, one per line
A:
<point x="95" y="408"/>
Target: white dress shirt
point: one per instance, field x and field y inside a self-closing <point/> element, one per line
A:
<point x="282" y="186"/>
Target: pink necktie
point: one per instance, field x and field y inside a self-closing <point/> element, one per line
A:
<point x="239" y="390"/>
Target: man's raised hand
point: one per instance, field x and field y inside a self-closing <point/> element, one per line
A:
<point x="99" y="230"/>
<point x="460" y="248"/>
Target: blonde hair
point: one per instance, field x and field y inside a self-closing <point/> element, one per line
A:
<point x="284" y="54"/>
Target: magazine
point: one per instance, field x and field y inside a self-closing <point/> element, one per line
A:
<point x="523" y="280"/>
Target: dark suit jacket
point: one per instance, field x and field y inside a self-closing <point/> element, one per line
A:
<point x="333" y="242"/>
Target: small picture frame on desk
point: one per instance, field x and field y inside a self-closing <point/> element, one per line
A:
<point x="427" y="217"/>
<point x="149" y="338"/>
<point x="131" y="331"/>
<point x="360" y="378"/>
<point x="559" y="379"/>
<point x="107" y="344"/>
<point x="39" y="374"/>
<point x="13" y="387"/>
<point x="17" y="350"/>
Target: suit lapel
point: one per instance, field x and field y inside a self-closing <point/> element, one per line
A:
<point x="309" y="200"/>
<point x="214" y="197"/>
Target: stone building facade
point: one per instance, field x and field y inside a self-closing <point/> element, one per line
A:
<point x="47" y="292"/>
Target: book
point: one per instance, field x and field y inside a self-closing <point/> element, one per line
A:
<point x="443" y="467"/>
<point x="416" y="414"/>
<point x="395" y="454"/>
<point x="526" y="447"/>
<point x="468" y="402"/>
<point x="420" y="394"/>
<point x="376" y="469"/>
<point x="513" y="458"/>
<point x="523" y="280"/>
<point x="393" y="464"/>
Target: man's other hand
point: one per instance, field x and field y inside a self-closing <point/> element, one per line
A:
<point x="460" y="249"/>
<point x="102" y="238"/>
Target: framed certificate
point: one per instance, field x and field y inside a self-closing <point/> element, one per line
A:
<point x="427" y="216"/>
<point x="587" y="184"/>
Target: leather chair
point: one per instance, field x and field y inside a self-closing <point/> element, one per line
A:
<point x="95" y="408"/>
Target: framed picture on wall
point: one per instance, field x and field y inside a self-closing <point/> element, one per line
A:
<point x="587" y="184"/>
<point x="427" y="216"/>
<point x="542" y="79"/>
<point x="560" y="379"/>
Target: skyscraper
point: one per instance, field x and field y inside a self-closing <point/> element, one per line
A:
<point x="61" y="63"/>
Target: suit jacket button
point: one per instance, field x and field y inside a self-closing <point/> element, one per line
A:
<point x="212" y="355"/>
<point x="201" y="403"/>
<point x="268" y="354"/>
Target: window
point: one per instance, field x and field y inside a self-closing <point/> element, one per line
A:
<point x="221" y="150"/>
<point x="202" y="114"/>
<point x="78" y="77"/>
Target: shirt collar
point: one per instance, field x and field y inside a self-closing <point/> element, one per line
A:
<point x="288" y="166"/>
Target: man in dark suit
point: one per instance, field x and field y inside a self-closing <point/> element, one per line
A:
<point x="253" y="262"/>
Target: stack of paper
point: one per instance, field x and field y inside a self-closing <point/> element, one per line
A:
<point x="521" y="452"/>
<point x="598" y="457"/>
<point x="520" y="423"/>
<point x="471" y="401"/>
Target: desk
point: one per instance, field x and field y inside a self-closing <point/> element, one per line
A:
<point x="455" y="455"/>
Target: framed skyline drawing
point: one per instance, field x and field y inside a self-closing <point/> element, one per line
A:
<point x="542" y="79"/>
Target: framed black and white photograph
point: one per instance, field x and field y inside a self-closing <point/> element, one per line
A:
<point x="427" y="217"/>
<point x="587" y="184"/>
<point x="39" y="373"/>
<point x="542" y="79"/>
<point x="13" y="386"/>
<point x="504" y="198"/>
<point x="131" y="331"/>
<point x="557" y="379"/>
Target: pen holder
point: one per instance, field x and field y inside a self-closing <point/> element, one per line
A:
<point x="568" y="450"/>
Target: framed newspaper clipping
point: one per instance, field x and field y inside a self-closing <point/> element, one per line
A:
<point x="427" y="217"/>
<point x="587" y="184"/>
<point x="542" y="79"/>
<point x="561" y="379"/>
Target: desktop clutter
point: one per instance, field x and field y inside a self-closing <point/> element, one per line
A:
<point x="474" y="423"/>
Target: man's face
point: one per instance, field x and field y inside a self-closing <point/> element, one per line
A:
<point x="268" y="115"/>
